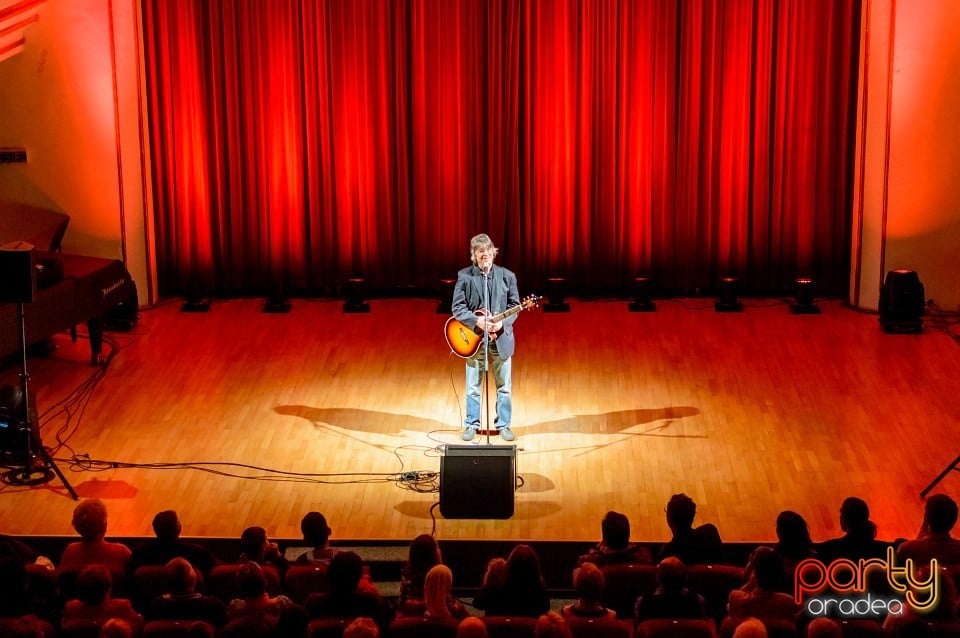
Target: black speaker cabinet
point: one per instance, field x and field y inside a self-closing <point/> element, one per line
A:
<point x="18" y="272"/>
<point x="478" y="481"/>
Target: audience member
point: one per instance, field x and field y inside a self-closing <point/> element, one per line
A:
<point x="914" y="623"/>
<point x="759" y="596"/>
<point x="471" y="627"/>
<point x="823" y="628"/>
<point x="10" y="546"/>
<point x="90" y="521"/>
<point x="423" y="554"/>
<point x="116" y="628"/>
<point x="362" y="627"/>
<point x="316" y="533"/>
<point x="692" y="545"/>
<point x="438" y="594"/>
<point x="588" y="582"/>
<point x="15" y="598"/>
<point x="615" y="546"/>
<point x="94" y="603"/>
<point x="345" y="599"/>
<point x="551" y="625"/>
<point x="256" y="547"/>
<point x="254" y="600"/>
<point x="183" y="601"/>
<point x="860" y="535"/>
<point x="168" y="545"/>
<point x="934" y="540"/>
<point x="750" y="628"/>
<point x="793" y="545"/>
<point x="521" y="592"/>
<point x="671" y="599"/>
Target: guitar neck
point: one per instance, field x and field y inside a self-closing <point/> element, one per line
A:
<point x="506" y="313"/>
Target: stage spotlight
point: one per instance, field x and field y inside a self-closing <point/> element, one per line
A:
<point x="354" y="292"/>
<point x="642" y="301"/>
<point x="728" y="296"/>
<point x="804" y="296"/>
<point x="446" y="296"/>
<point x="277" y="301"/>
<point x="556" y="295"/>
<point x="901" y="302"/>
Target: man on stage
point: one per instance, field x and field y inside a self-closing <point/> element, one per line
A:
<point x="477" y="285"/>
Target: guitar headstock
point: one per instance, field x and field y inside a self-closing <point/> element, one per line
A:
<point x="531" y="301"/>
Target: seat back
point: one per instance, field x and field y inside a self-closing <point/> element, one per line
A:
<point x="302" y="580"/>
<point x="80" y="629"/>
<point x="510" y="626"/>
<point x="676" y="628"/>
<point x="421" y="627"/>
<point x="148" y="582"/>
<point x="222" y="581"/>
<point x="861" y="629"/>
<point x="178" y="629"/>
<point x="599" y="627"/>
<point x="625" y="583"/>
<point x="327" y="627"/>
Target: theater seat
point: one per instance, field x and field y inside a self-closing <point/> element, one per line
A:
<point x="327" y="627"/>
<point x="178" y="629"/>
<point x="510" y="626"/>
<point x="222" y="581"/>
<point x="714" y="583"/>
<point x="302" y="580"/>
<point x="676" y="628"/>
<point x="861" y="629"/>
<point x="599" y="627"/>
<point x="410" y="627"/>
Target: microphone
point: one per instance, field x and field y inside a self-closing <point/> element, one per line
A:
<point x="486" y="268"/>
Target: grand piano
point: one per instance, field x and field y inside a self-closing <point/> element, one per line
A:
<point x="71" y="289"/>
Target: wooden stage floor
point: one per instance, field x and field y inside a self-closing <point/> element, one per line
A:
<point x="251" y="418"/>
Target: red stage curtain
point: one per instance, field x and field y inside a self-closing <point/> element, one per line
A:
<point x="301" y="142"/>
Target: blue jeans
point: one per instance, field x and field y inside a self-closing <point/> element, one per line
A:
<point x="501" y="376"/>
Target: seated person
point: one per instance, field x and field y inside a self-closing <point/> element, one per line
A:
<point x="345" y="599"/>
<point x="168" y="545"/>
<point x="692" y="545"/>
<point x="90" y="521"/>
<point x="94" y="603"/>
<point x="823" y="628"/>
<point x="362" y="628"/>
<point x="793" y="545"/>
<point x="15" y="598"/>
<point x="934" y="540"/>
<point x="520" y="592"/>
<point x="438" y="594"/>
<point x="551" y="625"/>
<point x="256" y="547"/>
<point x="759" y="596"/>
<point x="588" y="582"/>
<point x="471" y="627"/>
<point x="423" y="554"/>
<point x="254" y="601"/>
<point x="183" y="601"/>
<point x="860" y="535"/>
<point x="615" y="546"/>
<point x="316" y="533"/>
<point x="913" y="623"/>
<point x="671" y="599"/>
<point x="750" y="628"/>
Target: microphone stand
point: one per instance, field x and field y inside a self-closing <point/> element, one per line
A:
<point x="486" y="350"/>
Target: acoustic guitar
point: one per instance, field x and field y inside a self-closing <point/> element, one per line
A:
<point x="464" y="341"/>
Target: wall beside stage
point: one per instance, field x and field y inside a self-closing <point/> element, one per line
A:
<point x="72" y="99"/>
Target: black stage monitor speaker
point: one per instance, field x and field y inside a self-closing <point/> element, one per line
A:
<point x="478" y="481"/>
<point x="18" y="272"/>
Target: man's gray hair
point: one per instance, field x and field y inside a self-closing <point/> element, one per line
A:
<point x="479" y="242"/>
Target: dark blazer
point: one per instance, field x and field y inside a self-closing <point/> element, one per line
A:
<point x="502" y="294"/>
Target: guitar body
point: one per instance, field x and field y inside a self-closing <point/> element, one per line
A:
<point x="464" y="342"/>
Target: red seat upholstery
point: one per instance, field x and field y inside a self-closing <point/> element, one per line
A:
<point x="510" y="626"/>
<point x="411" y="627"/>
<point x="861" y="629"/>
<point x="148" y="582"/>
<point x="222" y="581"/>
<point x="676" y="628"/>
<point x="302" y="580"/>
<point x="178" y="629"/>
<point x="599" y="627"/>
<point x="714" y="583"/>
<point x="327" y="627"/>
